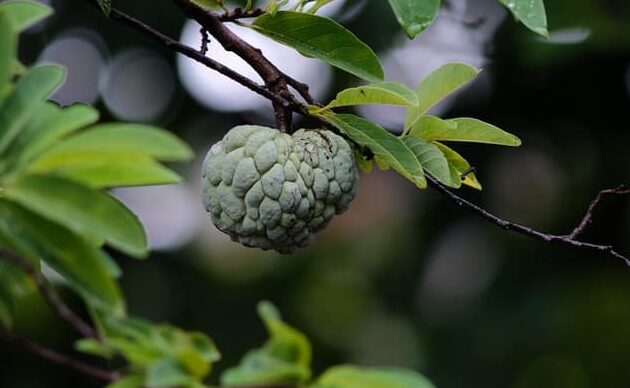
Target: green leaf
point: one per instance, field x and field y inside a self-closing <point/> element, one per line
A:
<point x="438" y="85"/>
<point x="6" y="311"/>
<point x="106" y="169"/>
<point x="531" y="13"/>
<point x="347" y="376"/>
<point x="166" y="373"/>
<point x="106" y="6"/>
<point x="85" y="211"/>
<point x="135" y="138"/>
<point x="49" y="124"/>
<point x="386" y="93"/>
<point x="8" y="43"/>
<point x="284" y="359"/>
<point x="322" y="38"/>
<point x="31" y="89"/>
<point x="430" y="157"/>
<point x="415" y="16"/>
<point x="93" y="347"/>
<point x="135" y="380"/>
<point x="464" y="129"/>
<point x="459" y="167"/>
<point x="25" y="13"/>
<point x="388" y="149"/>
<point x="145" y="344"/>
<point x="81" y="264"/>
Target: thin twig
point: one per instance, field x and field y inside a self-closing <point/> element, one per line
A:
<point x="60" y="308"/>
<point x="238" y="13"/>
<point x="274" y="79"/>
<point x="588" y="217"/>
<point x="59" y="358"/>
<point x="521" y="229"/>
<point x="205" y="41"/>
<point x="196" y="55"/>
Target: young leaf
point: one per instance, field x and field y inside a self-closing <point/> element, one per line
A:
<point x="83" y="210"/>
<point x="323" y="38"/>
<point x="106" y="6"/>
<point x="459" y="168"/>
<point x="347" y="376"/>
<point x="430" y="157"/>
<point x="135" y="380"/>
<point x="464" y="129"/>
<point x="415" y="16"/>
<point x="386" y="147"/>
<point x="81" y="264"/>
<point x="18" y="108"/>
<point x="531" y="13"/>
<point x="136" y="138"/>
<point x="438" y="85"/>
<point x="284" y="359"/>
<point x="386" y="93"/>
<point x="25" y="13"/>
<point x="166" y="373"/>
<point x="8" y="42"/>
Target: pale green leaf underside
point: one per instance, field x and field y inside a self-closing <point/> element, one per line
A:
<point x="388" y="148"/>
<point x="431" y="128"/>
<point x="430" y="157"/>
<point x="133" y="138"/>
<point x="348" y="376"/>
<point x="31" y="88"/>
<point x="85" y="211"/>
<point x="48" y="124"/>
<point x="25" y="13"/>
<point x="530" y="12"/>
<point x="106" y="168"/>
<point x="439" y="85"/>
<point x="415" y="16"/>
<point x="322" y="38"/>
<point x="384" y="93"/>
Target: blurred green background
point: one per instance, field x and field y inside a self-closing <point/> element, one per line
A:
<point x="404" y="278"/>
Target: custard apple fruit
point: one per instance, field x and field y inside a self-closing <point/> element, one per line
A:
<point x="271" y="190"/>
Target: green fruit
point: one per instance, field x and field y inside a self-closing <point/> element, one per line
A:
<point x="270" y="190"/>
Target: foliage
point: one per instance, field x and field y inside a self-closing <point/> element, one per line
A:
<point x="57" y="165"/>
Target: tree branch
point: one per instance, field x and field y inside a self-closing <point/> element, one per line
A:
<point x="274" y="79"/>
<point x="588" y="217"/>
<point x="569" y="240"/>
<point x="59" y="358"/>
<point x="238" y="13"/>
<point x="53" y="299"/>
<point x="276" y="91"/>
<point x="195" y="55"/>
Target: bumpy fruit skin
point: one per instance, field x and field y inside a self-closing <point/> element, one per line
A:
<point x="270" y="190"/>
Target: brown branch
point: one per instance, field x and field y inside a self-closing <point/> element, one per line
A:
<point x="195" y="55"/>
<point x="205" y="41"/>
<point x="588" y="217"/>
<point x="60" y="308"/>
<point x="568" y="240"/>
<point x="59" y="358"/>
<point x="238" y="13"/>
<point x="274" y="79"/>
